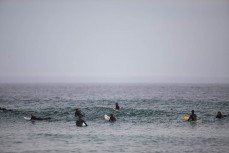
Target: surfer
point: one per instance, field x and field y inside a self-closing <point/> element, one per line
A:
<point x="117" y="106"/>
<point x="33" y="117"/>
<point x="220" y="115"/>
<point x="4" y="109"/>
<point x="81" y="122"/>
<point x="193" y="116"/>
<point x="78" y="113"/>
<point x="112" y="118"/>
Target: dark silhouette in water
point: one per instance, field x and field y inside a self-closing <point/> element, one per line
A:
<point x="193" y="116"/>
<point x="220" y="115"/>
<point x="33" y="117"/>
<point x="80" y="122"/>
<point x="4" y="109"/>
<point x="112" y="118"/>
<point x="117" y="106"/>
<point x="78" y="113"/>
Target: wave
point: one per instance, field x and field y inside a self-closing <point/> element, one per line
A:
<point x="157" y="114"/>
<point x="96" y="114"/>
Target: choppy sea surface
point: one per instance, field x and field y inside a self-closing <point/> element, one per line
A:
<point x="150" y="120"/>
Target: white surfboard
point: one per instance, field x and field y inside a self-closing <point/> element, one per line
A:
<point x="116" y="110"/>
<point x="83" y="124"/>
<point x="106" y="117"/>
<point x="27" y="118"/>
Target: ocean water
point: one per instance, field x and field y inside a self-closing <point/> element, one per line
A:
<point x="150" y="121"/>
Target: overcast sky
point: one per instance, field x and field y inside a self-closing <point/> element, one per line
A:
<point x="114" y="41"/>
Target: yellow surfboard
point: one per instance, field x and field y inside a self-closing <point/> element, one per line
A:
<point x="186" y="117"/>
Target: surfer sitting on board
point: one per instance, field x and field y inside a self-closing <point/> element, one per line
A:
<point x="220" y="115"/>
<point x="78" y="113"/>
<point x="112" y="118"/>
<point x="33" y="117"/>
<point x="192" y="117"/>
<point x="117" y="106"/>
<point x="81" y="122"/>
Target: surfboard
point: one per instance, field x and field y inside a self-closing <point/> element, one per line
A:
<point x="116" y="110"/>
<point x="106" y="117"/>
<point x="186" y="117"/>
<point x="83" y="124"/>
<point x="197" y="121"/>
<point x="27" y="118"/>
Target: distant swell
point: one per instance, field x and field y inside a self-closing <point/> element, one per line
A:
<point x="96" y="114"/>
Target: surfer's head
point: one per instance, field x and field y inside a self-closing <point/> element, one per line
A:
<point x="193" y="111"/>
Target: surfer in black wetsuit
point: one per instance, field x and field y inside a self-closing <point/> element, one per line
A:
<point x="112" y="118"/>
<point x="80" y="122"/>
<point x="193" y="116"/>
<point x="80" y="116"/>
<point x="33" y="117"/>
<point x="78" y="113"/>
<point x="4" y="109"/>
<point x="220" y="115"/>
<point x="117" y="106"/>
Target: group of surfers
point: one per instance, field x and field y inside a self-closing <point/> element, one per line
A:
<point x="81" y="122"/>
<point x="78" y="114"/>
<point x="193" y="116"/>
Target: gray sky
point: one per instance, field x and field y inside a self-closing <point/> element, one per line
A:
<point x="114" y="41"/>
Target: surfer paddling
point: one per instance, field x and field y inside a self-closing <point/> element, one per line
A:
<point x="4" y="109"/>
<point x="33" y="117"/>
<point x="220" y="115"/>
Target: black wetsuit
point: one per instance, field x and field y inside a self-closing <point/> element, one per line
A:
<point x="80" y="122"/>
<point x="117" y="107"/>
<point x="38" y="118"/>
<point x="78" y="113"/>
<point x="112" y="119"/>
<point x="220" y="116"/>
<point x="192" y="117"/>
<point x="4" y="109"/>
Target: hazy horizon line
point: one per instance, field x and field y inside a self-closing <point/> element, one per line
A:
<point x="147" y="80"/>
